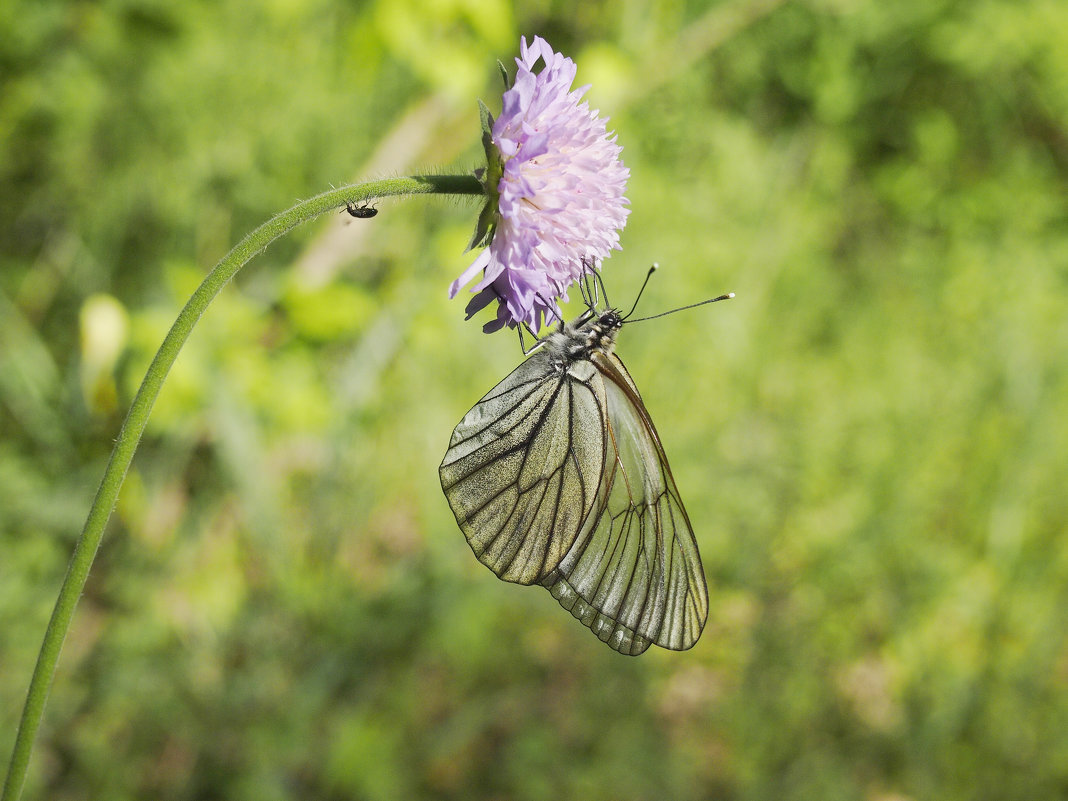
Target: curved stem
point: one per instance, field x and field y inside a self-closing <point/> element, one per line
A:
<point x="136" y="419"/>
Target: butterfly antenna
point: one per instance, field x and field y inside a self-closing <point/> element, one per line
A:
<point x="728" y="296"/>
<point x="645" y="283"/>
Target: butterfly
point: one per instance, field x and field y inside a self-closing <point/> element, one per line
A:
<point x="557" y="477"/>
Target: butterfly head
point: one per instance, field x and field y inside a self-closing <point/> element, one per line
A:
<point x="608" y="323"/>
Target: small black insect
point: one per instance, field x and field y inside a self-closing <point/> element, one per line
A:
<point x="360" y="212"/>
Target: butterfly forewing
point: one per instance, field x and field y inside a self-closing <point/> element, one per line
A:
<point x="557" y="476"/>
<point x="634" y="575"/>
<point x="685" y="594"/>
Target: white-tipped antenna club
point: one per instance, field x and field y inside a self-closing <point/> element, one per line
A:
<point x="645" y="283"/>
<point x="649" y="275"/>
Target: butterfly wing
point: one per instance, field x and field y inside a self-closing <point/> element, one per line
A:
<point x="633" y="575"/>
<point x="523" y="468"/>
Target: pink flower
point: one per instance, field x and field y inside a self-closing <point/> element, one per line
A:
<point x="557" y="206"/>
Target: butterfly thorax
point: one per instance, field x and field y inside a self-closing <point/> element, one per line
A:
<point x="580" y="338"/>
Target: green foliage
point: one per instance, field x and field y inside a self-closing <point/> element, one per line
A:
<point x="869" y="438"/>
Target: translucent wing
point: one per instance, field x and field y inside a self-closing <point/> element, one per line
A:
<point x="633" y="575"/>
<point x="523" y="468"/>
<point x="557" y="476"/>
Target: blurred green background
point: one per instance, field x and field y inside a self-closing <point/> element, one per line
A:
<point x="871" y="439"/>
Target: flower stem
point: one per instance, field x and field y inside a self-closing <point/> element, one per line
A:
<point x="133" y="427"/>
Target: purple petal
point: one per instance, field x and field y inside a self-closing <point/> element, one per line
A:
<point x="560" y="198"/>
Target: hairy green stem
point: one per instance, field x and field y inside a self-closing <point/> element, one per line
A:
<point x="134" y="425"/>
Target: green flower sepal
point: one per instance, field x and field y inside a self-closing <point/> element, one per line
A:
<point x="490" y="178"/>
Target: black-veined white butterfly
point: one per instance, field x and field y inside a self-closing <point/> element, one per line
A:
<point x="557" y="477"/>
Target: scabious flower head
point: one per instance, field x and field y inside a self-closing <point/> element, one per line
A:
<point x="555" y="188"/>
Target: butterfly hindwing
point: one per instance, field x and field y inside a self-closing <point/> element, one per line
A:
<point x="521" y="470"/>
